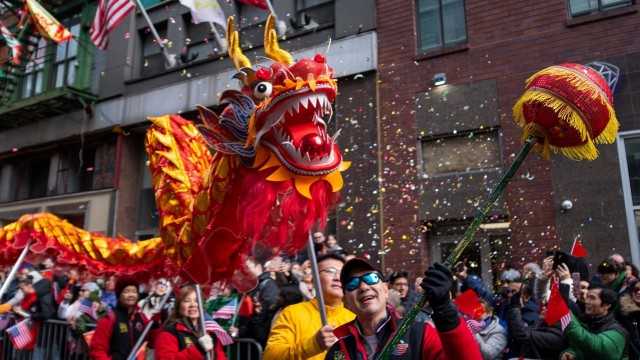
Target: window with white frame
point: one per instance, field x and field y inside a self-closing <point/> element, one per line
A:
<point x="585" y="7"/>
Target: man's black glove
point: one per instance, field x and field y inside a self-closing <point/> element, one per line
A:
<point x="437" y="283"/>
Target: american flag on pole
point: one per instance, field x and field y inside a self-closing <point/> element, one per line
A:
<point x="212" y="326"/>
<point x="20" y="334"/>
<point x="227" y="311"/>
<point x="109" y="14"/>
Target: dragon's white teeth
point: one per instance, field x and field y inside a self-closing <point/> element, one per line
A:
<point x="304" y="101"/>
<point x="307" y="157"/>
<point x="335" y="136"/>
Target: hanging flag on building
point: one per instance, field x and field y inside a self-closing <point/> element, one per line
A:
<point x="205" y="11"/>
<point x="13" y="44"/>
<point x="109" y="14"/>
<point x="578" y="250"/>
<point x="20" y="334"/>
<point x="46" y="24"/>
<point x="262" y="4"/>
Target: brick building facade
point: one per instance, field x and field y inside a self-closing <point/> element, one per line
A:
<point x="443" y="147"/>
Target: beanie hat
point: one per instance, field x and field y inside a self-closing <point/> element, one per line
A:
<point x="123" y="282"/>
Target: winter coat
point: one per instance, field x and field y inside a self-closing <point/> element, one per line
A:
<point x="421" y="342"/>
<point x="492" y="339"/>
<point x="116" y="334"/>
<point x="179" y="342"/>
<point x="601" y="338"/>
<point x="293" y="335"/>
<point x="629" y="317"/>
<point x="44" y="307"/>
<point x="533" y="342"/>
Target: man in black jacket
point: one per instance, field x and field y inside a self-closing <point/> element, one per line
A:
<point x="539" y="341"/>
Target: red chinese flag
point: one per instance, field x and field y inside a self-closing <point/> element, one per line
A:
<point x="469" y="304"/>
<point x="578" y="250"/>
<point x="557" y="309"/>
<point x="262" y="4"/>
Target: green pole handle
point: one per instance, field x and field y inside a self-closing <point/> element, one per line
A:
<point x="481" y="215"/>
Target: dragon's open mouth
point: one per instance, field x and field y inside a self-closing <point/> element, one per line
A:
<point x="295" y="129"/>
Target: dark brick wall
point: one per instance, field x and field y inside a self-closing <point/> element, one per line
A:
<point x="507" y="42"/>
<point x="358" y="214"/>
<point x="129" y="182"/>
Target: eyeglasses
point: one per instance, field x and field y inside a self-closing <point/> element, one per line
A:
<point x="370" y="278"/>
<point x="636" y="289"/>
<point x="331" y="271"/>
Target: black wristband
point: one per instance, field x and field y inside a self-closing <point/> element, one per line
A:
<point x="445" y="316"/>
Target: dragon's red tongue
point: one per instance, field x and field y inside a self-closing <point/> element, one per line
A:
<point x="314" y="145"/>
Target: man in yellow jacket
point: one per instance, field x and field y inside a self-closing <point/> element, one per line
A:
<point x="297" y="332"/>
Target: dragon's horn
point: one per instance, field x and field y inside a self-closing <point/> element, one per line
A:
<point x="235" y="52"/>
<point x="271" y="48"/>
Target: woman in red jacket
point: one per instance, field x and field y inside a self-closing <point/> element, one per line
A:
<point x="180" y="339"/>
<point x="117" y="332"/>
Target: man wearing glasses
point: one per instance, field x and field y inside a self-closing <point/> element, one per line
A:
<point x="366" y="295"/>
<point x="297" y="332"/>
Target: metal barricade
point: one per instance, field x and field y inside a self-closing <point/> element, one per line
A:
<point x="55" y="341"/>
<point x="244" y="349"/>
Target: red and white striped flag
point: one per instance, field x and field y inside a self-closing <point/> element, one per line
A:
<point x="20" y="334"/>
<point x="557" y="309"/>
<point x="109" y="14"/>
<point x="212" y="326"/>
<point x="227" y="311"/>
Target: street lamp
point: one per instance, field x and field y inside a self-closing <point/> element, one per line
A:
<point x="439" y="79"/>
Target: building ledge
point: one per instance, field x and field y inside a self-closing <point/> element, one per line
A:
<point x="602" y="15"/>
<point x="51" y="103"/>
<point x="441" y="52"/>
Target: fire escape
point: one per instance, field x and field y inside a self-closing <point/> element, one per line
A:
<point x="18" y="107"/>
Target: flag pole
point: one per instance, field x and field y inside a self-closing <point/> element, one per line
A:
<point x="170" y="58"/>
<point x="316" y="280"/>
<point x="201" y="320"/>
<point x="140" y="341"/>
<point x="281" y="26"/>
<point x="222" y="42"/>
<point x="14" y="270"/>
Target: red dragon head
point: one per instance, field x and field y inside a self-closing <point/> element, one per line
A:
<point x="280" y="116"/>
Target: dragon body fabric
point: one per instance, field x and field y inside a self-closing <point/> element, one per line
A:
<point x="263" y="171"/>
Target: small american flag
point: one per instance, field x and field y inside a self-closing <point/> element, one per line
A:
<point x="211" y="325"/>
<point x="86" y="307"/>
<point x="227" y="311"/>
<point x="20" y="334"/>
<point x="109" y="14"/>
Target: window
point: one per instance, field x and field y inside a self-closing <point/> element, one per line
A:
<point x="66" y="60"/>
<point x="441" y="24"/>
<point x="53" y="66"/>
<point x="148" y="219"/>
<point x="33" y="82"/>
<point x="584" y="7"/>
<point x="632" y="149"/>
<point x="461" y="152"/>
<point x="153" y="60"/>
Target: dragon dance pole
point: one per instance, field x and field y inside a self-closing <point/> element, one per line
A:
<point x="481" y="215"/>
<point x="14" y="270"/>
<point x="140" y="341"/>
<point x="316" y="280"/>
<point x="201" y="310"/>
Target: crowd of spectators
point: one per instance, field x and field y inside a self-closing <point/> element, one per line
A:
<point x="282" y="312"/>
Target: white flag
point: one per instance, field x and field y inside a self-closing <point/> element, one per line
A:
<point x="205" y="11"/>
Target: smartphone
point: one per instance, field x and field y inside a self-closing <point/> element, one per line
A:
<point x="576" y="284"/>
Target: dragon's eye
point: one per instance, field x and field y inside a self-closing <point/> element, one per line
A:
<point x="262" y="90"/>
